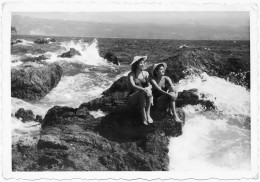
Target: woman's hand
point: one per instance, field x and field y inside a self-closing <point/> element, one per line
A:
<point x="148" y="92"/>
<point x="173" y="95"/>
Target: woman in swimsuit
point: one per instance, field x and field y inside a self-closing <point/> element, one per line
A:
<point x="141" y="90"/>
<point x="164" y="92"/>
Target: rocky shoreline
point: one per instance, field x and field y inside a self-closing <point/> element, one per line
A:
<point x="71" y="139"/>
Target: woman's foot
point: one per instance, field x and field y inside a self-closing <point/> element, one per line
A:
<point x="149" y="119"/>
<point x="145" y="122"/>
<point x="178" y="120"/>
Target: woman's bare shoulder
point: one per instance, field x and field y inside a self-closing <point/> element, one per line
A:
<point x="130" y="74"/>
<point x="167" y="78"/>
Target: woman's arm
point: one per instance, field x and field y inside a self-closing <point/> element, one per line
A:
<point x="157" y="87"/>
<point x="172" y="88"/>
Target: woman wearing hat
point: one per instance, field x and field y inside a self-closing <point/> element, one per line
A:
<point x="140" y="95"/>
<point x="163" y="90"/>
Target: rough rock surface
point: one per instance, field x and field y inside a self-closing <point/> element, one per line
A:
<point x="32" y="81"/>
<point x="25" y="115"/>
<point x="195" y="60"/>
<point x="72" y="139"/>
<point x="34" y="59"/>
<point x="17" y="41"/>
<point x="111" y="57"/>
<point x="72" y="52"/>
<point x="44" y="40"/>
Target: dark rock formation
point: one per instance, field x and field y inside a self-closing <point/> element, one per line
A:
<point x="13" y="42"/>
<point x="191" y="97"/>
<point x="13" y="29"/>
<point x="25" y="115"/>
<point x="119" y="85"/>
<point x="116" y="97"/>
<point x="111" y="57"/>
<point x="32" y="81"/>
<point x="72" y="52"/>
<point x="72" y="139"/>
<point x="195" y="61"/>
<point x="34" y="59"/>
<point x="44" y="40"/>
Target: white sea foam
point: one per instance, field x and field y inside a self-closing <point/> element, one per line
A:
<point x="24" y="43"/>
<point x="98" y="113"/>
<point x="20" y="129"/>
<point x="209" y="142"/>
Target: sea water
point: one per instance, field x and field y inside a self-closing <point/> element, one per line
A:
<point x="216" y="140"/>
<point x="211" y="140"/>
<point x="95" y="76"/>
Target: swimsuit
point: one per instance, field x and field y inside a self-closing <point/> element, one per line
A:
<point x="139" y="82"/>
<point x="165" y="88"/>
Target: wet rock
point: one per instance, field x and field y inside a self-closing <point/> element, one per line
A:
<point x="38" y="119"/>
<point x="72" y="52"/>
<point x="197" y="61"/>
<point x="44" y="40"/>
<point x="53" y="142"/>
<point x="17" y="41"/>
<point x="72" y="139"/>
<point x="31" y="81"/>
<point x="34" y="59"/>
<point x="117" y="95"/>
<point x="192" y="97"/>
<point x="25" y="115"/>
<point x="111" y="57"/>
<point x="119" y="85"/>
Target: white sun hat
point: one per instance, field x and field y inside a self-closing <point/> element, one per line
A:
<point x="137" y="58"/>
<point x="152" y="68"/>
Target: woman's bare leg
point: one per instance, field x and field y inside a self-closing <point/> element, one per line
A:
<point x="143" y="110"/>
<point x="173" y="109"/>
<point x="148" y="108"/>
<point x="174" y="114"/>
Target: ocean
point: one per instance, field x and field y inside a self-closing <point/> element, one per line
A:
<point x="212" y="140"/>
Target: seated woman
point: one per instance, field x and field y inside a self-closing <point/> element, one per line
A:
<point x="140" y="95"/>
<point x="163" y="90"/>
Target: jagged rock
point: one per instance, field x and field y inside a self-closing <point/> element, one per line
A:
<point x="111" y="57"/>
<point x="33" y="81"/>
<point x="119" y="85"/>
<point x="13" y="42"/>
<point x="72" y="139"/>
<point x="44" y="40"/>
<point x="191" y="97"/>
<point x="38" y="119"/>
<point x="25" y="115"/>
<point x="13" y="29"/>
<point x="72" y="52"/>
<point x="116" y="97"/>
<point x="34" y="59"/>
<point x="53" y="142"/>
<point x="201" y="60"/>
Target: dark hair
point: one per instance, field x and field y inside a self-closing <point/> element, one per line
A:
<point x="156" y="69"/>
<point x="134" y="66"/>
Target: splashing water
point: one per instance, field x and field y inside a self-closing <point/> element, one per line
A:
<point x="214" y="140"/>
<point x="89" y="52"/>
<point x="71" y="90"/>
<point x="24" y="43"/>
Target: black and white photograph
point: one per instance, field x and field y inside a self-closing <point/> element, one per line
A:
<point x="167" y="91"/>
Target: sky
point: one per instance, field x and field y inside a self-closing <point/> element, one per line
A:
<point x="220" y="18"/>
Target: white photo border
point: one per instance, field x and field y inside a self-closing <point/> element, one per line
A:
<point x="116" y="5"/>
